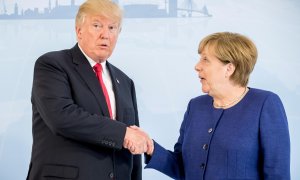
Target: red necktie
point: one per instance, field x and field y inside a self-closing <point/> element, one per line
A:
<point x="98" y="70"/>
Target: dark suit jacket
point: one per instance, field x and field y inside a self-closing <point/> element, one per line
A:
<point x="73" y="137"/>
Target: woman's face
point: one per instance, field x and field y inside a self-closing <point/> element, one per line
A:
<point x="212" y="72"/>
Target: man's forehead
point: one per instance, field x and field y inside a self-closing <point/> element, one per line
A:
<point x="101" y="19"/>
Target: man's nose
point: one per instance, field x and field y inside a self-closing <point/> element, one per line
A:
<point x="105" y="33"/>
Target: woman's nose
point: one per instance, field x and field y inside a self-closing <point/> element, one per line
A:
<point x="198" y="66"/>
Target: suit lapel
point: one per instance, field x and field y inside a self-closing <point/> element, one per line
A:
<point x="86" y="72"/>
<point x="116" y="88"/>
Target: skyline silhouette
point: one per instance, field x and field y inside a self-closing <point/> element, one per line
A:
<point x="132" y="10"/>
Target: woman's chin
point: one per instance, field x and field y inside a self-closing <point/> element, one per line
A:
<point x="204" y="90"/>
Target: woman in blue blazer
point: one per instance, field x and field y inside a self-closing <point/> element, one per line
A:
<point x="233" y="132"/>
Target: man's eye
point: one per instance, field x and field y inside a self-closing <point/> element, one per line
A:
<point x="113" y="28"/>
<point x="97" y="26"/>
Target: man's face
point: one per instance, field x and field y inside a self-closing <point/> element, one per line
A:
<point x="97" y="36"/>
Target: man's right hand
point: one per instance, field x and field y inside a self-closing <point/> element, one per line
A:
<point x="137" y="141"/>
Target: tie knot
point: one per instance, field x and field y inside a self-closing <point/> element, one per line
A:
<point x="98" y="68"/>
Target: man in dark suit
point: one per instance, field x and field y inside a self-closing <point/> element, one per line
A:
<point x="81" y="114"/>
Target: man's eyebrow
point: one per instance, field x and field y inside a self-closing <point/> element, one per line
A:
<point x="96" y="20"/>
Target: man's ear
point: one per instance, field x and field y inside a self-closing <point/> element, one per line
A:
<point x="78" y="32"/>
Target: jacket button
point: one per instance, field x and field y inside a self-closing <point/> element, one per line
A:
<point x="111" y="175"/>
<point x="202" y="166"/>
<point x="210" y="130"/>
<point x="205" y="146"/>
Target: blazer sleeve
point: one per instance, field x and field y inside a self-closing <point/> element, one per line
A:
<point x="137" y="160"/>
<point x="275" y="141"/>
<point x="52" y="99"/>
<point x="168" y="162"/>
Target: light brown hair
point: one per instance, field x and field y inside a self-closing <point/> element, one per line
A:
<point x="232" y="48"/>
<point x="104" y="8"/>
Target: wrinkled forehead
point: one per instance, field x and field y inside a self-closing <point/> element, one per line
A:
<point x="101" y="19"/>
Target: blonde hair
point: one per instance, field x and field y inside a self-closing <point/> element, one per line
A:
<point x="104" y="8"/>
<point x="232" y="48"/>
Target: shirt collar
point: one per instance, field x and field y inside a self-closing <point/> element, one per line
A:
<point x="92" y="62"/>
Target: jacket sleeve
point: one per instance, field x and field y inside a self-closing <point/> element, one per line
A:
<point x="166" y="161"/>
<point x="54" y="103"/>
<point x="274" y="138"/>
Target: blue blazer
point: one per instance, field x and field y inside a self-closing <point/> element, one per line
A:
<point x="73" y="137"/>
<point x="247" y="141"/>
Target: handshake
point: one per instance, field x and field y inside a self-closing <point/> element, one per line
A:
<point x="137" y="141"/>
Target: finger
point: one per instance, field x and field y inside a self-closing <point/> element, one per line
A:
<point x="150" y="151"/>
<point x="132" y="148"/>
<point x="125" y="144"/>
<point x="145" y="148"/>
<point x="150" y="145"/>
<point x="139" y="149"/>
<point x="134" y="127"/>
<point x="137" y="152"/>
<point x="130" y="144"/>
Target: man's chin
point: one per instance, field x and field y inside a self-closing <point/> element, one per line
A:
<point x="103" y="57"/>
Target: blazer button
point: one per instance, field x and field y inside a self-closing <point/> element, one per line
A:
<point x="205" y="146"/>
<point x="202" y="166"/>
<point x="111" y="175"/>
<point x="210" y="130"/>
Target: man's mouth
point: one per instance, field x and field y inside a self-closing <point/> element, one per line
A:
<point x="104" y="45"/>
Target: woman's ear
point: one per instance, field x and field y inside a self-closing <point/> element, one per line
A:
<point x="229" y="69"/>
